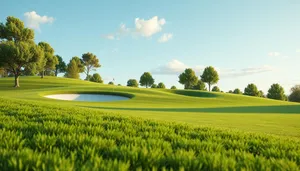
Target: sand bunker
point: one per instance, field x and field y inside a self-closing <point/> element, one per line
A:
<point x="87" y="97"/>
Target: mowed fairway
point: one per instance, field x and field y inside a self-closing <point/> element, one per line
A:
<point x="155" y="129"/>
<point x="195" y="107"/>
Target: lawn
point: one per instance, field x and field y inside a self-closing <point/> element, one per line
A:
<point x="155" y="129"/>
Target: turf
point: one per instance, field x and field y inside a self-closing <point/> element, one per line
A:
<point x="154" y="130"/>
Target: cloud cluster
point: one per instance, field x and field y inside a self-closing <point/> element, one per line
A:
<point x="165" y="37"/>
<point x="176" y="67"/>
<point x="144" y="28"/>
<point x="33" y="20"/>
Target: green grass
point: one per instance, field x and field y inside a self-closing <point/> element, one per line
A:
<point x="155" y="129"/>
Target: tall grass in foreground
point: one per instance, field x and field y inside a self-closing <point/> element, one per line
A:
<point x="43" y="137"/>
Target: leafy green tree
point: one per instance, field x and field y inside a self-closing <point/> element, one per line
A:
<point x="276" y="92"/>
<point x="161" y="85"/>
<point x="96" y="78"/>
<point x="237" y="91"/>
<point x="295" y="94"/>
<point x="173" y="88"/>
<point x="210" y="76"/>
<point x="153" y="86"/>
<point x="216" y="89"/>
<point x="132" y="83"/>
<point x="188" y="78"/>
<point x="200" y="86"/>
<point x="61" y="66"/>
<point x="119" y="84"/>
<point x="90" y="62"/>
<point x="17" y="47"/>
<point x="111" y="83"/>
<point x="230" y="91"/>
<point x="30" y="69"/>
<point x="251" y="90"/>
<point x="74" y="67"/>
<point x="49" y="61"/>
<point x="3" y="72"/>
<point x="146" y="79"/>
<point x="261" y="94"/>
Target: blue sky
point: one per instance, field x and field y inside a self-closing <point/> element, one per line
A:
<point x="254" y="41"/>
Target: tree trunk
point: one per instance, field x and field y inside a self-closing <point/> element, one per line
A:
<point x="56" y="70"/>
<point x="42" y="74"/>
<point x="209" y="86"/>
<point x="17" y="80"/>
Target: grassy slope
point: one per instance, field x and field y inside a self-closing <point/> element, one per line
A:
<point x="199" y="108"/>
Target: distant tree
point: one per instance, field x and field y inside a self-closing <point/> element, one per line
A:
<point x="17" y="47"/>
<point x="251" y="90"/>
<point x="96" y="78"/>
<point x="30" y="69"/>
<point x="61" y="66"/>
<point x="146" y="79"/>
<point x="90" y="62"/>
<point x="132" y="83"/>
<point x="237" y="91"/>
<point x="161" y="85"/>
<point x="49" y="61"/>
<point x="261" y="94"/>
<point x="230" y="91"/>
<point x="216" y="89"/>
<point x="188" y="78"/>
<point x="153" y="86"/>
<point x="3" y="72"/>
<point x="173" y="88"/>
<point x="295" y="94"/>
<point x="74" y="67"/>
<point x="119" y="85"/>
<point x="200" y="86"/>
<point x="210" y="76"/>
<point x="276" y="92"/>
<point x="111" y="83"/>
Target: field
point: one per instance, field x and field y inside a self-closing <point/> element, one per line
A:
<point x="154" y="130"/>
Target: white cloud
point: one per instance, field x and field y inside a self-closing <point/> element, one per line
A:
<point x="33" y="20"/>
<point x="109" y="36"/>
<point x="147" y="28"/>
<point x="274" y="54"/>
<point x="176" y="67"/>
<point x="165" y="37"/>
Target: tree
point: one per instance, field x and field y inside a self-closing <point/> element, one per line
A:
<point x="188" y="78"/>
<point x="216" y="89"/>
<point x="200" y="86"/>
<point x="251" y="90"/>
<point x="230" y="91"/>
<point x="61" y="66"/>
<point x="3" y="72"/>
<point x="74" y="67"/>
<point x="210" y="76"/>
<point x="132" y="83"/>
<point x="111" y="83"/>
<point x="17" y="47"/>
<point x="161" y="85"/>
<point x="154" y="86"/>
<point x="276" y="92"/>
<point x="96" y="78"/>
<point x="146" y="79"/>
<point x="49" y="61"/>
<point x="90" y="62"/>
<point x="173" y="88"/>
<point x="237" y="91"/>
<point x="295" y="94"/>
<point x="30" y="69"/>
<point x="261" y="94"/>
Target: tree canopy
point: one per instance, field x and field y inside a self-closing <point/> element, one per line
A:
<point x="251" y="90"/>
<point x="61" y="66"/>
<point x="216" y="89"/>
<point x="96" y="78"/>
<point x="276" y="92"/>
<point x="90" y="62"/>
<point x="153" y="86"/>
<point x="161" y="85"/>
<point x="173" y="88"/>
<point x="237" y="91"/>
<point x="295" y="94"/>
<point x="49" y="61"/>
<point x="111" y="83"/>
<point x="200" y="86"/>
<point x="74" y="67"/>
<point x="146" y="79"/>
<point x="188" y="78"/>
<point x="132" y="83"/>
<point x="210" y="76"/>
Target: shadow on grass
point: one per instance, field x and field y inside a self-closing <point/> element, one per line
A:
<point x="288" y="109"/>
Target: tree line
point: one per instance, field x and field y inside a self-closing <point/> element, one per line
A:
<point x="20" y="55"/>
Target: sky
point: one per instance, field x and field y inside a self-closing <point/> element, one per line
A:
<point x="255" y="41"/>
